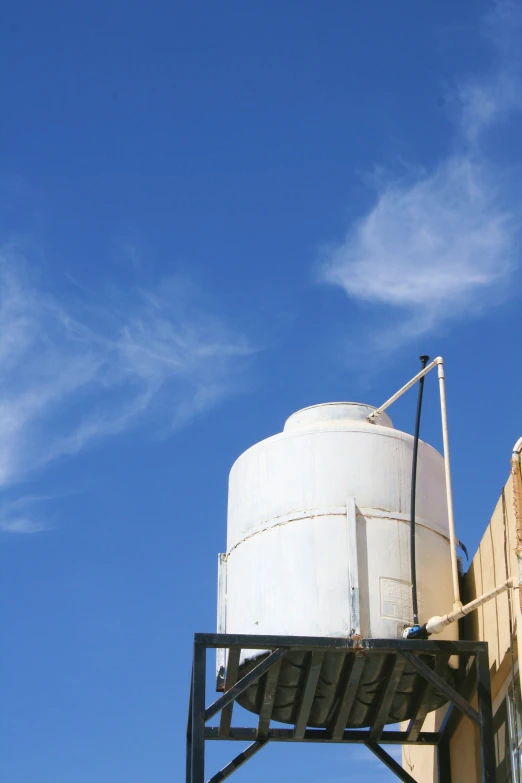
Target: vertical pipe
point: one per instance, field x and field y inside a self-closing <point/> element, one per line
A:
<point x="198" y="714"/>
<point x="413" y="560"/>
<point x="457" y="603"/>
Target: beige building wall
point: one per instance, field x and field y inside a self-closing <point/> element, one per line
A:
<point x="494" y="562"/>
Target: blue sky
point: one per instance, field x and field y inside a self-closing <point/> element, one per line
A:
<point x="212" y="215"/>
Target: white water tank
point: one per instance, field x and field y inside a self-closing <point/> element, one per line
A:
<point x="318" y="530"/>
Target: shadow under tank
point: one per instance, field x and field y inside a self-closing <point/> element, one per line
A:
<point x="374" y="673"/>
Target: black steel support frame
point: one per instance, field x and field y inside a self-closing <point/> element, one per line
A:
<point x="473" y="658"/>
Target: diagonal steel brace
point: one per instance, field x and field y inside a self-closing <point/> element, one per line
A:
<point x="442" y="686"/>
<point x="244" y="683"/>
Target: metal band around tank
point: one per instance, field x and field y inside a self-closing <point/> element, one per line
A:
<point x="332" y="511"/>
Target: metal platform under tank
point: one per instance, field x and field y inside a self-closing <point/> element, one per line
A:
<point x="340" y="690"/>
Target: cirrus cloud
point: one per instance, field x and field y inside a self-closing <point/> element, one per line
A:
<point x="73" y="372"/>
<point x="442" y="244"/>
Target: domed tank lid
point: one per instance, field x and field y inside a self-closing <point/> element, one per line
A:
<point x="330" y="413"/>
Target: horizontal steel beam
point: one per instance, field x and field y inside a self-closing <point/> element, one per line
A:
<point x="312" y="643"/>
<point x="349" y="737"/>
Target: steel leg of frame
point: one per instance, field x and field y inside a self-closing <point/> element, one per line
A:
<point x="189" y="733"/>
<point x="198" y="715"/>
<point x="443" y="762"/>
<point x="487" y="743"/>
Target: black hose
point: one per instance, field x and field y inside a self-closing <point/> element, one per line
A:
<point x="424" y="361"/>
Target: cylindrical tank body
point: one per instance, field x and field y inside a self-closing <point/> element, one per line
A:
<point x="288" y="533"/>
<point x="328" y="496"/>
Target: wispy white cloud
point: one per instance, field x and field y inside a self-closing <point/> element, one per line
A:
<point x="444" y="243"/>
<point x="13" y="523"/>
<point x="72" y="373"/>
<point x="440" y="246"/>
<point x="18" y="516"/>
<point x="493" y="96"/>
<point x="485" y="103"/>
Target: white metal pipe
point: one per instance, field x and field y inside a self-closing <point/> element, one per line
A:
<point x="378" y="411"/>
<point x="437" y="624"/>
<point x="438" y="362"/>
<point x="457" y="603"/>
